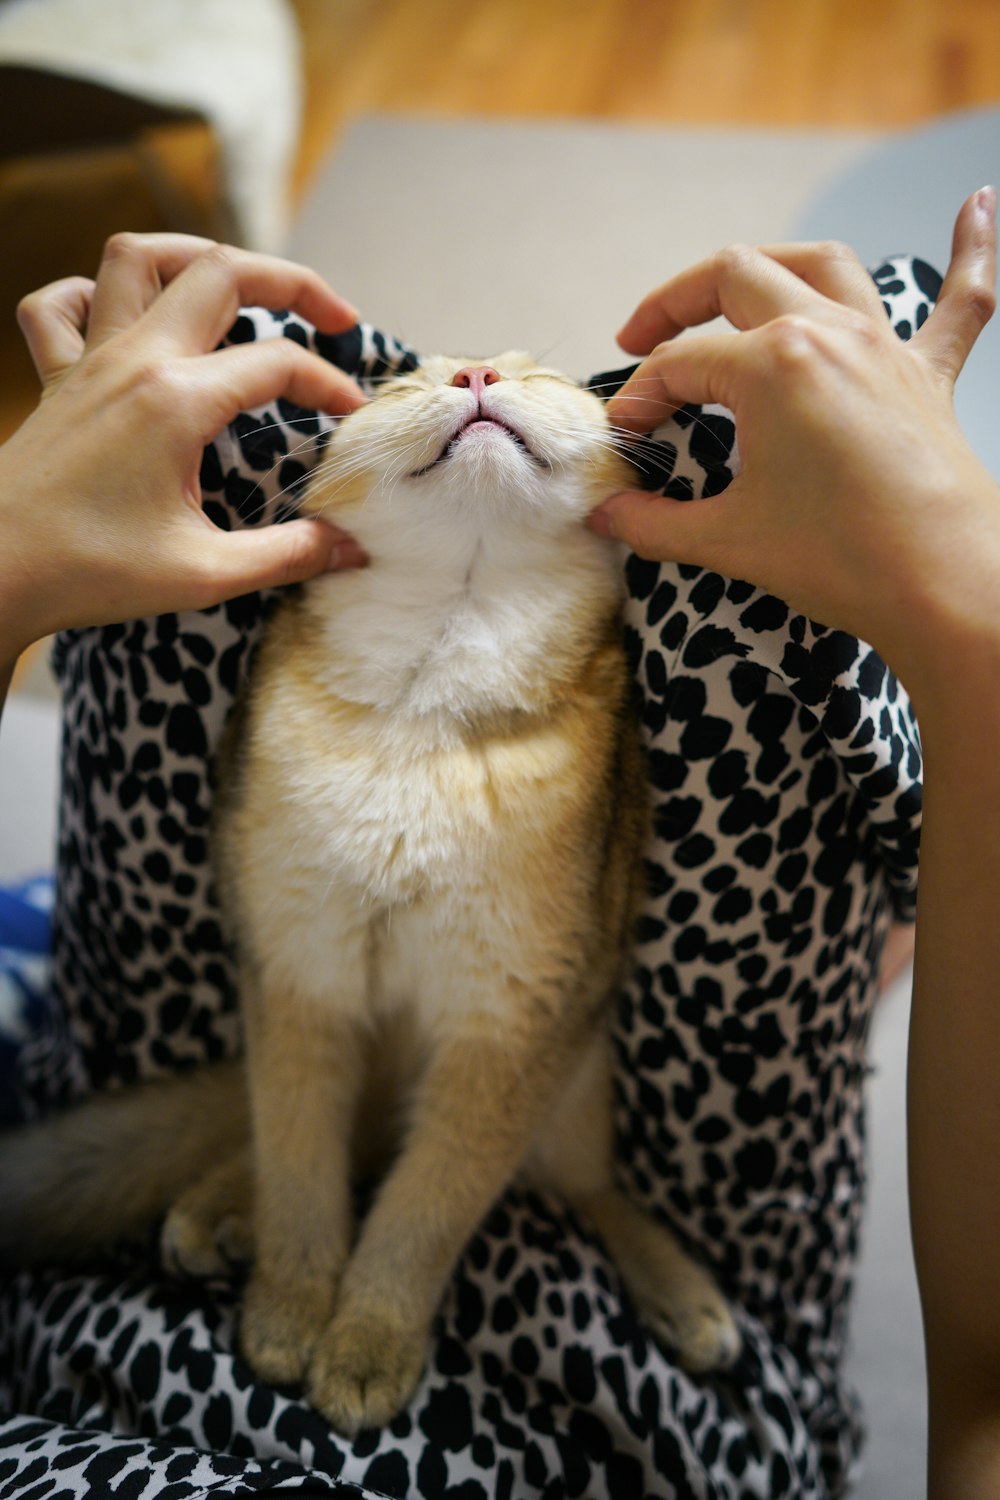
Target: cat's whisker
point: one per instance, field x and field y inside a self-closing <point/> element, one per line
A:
<point x="316" y="478"/>
<point x="332" y="481"/>
<point x="391" y="478"/>
<point x="543" y="356"/>
<point x="357" y="460"/>
<point x="671" y="409"/>
<point x="695" y="421"/>
<point x="317" y="439"/>
<point x="313" y="417"/>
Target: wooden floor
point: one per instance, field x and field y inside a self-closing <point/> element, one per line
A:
<point x="867" y="63"/>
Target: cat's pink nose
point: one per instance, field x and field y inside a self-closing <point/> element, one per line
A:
<point x="476" y="378"/>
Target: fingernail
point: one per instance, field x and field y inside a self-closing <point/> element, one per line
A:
<point x="346" y="554"/>
<point x="986" y="202"/>
<point x="602" y="522"/>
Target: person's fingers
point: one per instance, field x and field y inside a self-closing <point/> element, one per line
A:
<point x="967" y="299"/>
<point x="53" y="321"/>
<point x="682" y="530"/>
<point x="240" y="562"/>
<point x="706" y="368"/>
<point x="134" y="270"/>
<point x="201" y="304"/>
<point x="832" y="269"/>
<point x="249" y="375"/>
<point x="740" y="283"/>
<point x="205" y="283"/>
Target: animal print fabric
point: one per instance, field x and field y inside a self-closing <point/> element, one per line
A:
<point x="785" y="765"/>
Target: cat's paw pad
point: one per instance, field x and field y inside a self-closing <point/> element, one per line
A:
<point x="192" y="1246"/>
<point x="364" y="1371"/>
<point x="700" y="1331"/>
<point x="278" y="1331"/>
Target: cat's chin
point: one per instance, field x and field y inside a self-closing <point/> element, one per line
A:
<point x="489" y="425"/>
<point x="478" y="438"/>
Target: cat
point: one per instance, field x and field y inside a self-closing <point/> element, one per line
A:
<point x="428" y="835"/>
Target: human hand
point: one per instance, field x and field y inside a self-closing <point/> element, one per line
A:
<point x="100" y="502"/>
<point x="859" y="500"/>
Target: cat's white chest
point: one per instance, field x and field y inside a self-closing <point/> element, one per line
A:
<point x="389" y="866"/>
<point x="389" y="821"/>
<point x="430" y="641"/>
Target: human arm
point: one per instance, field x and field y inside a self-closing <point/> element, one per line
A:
<point x="860" y="502"/>
<point x="100" y="503"/>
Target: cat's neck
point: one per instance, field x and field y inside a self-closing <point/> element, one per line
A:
<point x="465" y="619"/>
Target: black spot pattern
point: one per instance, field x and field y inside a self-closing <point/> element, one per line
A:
<point x="785" y="769"/>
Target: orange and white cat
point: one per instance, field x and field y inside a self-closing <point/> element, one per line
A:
<point x="428" y="839"/>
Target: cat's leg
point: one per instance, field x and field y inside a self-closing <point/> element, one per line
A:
<point x="676" y="1298"/>
<point x="472" y="1119"/>
<point x="305" y="1055"/>
<point x="209" y="1229"/>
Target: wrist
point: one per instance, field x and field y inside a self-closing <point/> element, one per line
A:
<point x="26" y="544"/>
<point x="17" y="632"/>
<point x="950" y="662"/>
<point x="9" y="653"/>
<point x="942" y="625"/>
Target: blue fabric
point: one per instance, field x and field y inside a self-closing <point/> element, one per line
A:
<point x="25" y="992"/>
<point x="25" y="925"/>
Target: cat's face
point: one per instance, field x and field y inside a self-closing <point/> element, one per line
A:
<point x="502" y="436"/>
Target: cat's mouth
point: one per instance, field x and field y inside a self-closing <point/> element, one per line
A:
<point x="482" y="422"/>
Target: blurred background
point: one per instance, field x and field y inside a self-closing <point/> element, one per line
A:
<point x="215" y="116"/>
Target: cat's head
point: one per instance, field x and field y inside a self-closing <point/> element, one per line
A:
<point x="501" y="439"/>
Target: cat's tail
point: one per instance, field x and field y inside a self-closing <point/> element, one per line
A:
<point x="112" y="1166"/>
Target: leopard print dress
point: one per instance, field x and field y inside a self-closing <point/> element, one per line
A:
<point x="785" y="766"/>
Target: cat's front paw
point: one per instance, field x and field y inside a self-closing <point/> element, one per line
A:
<point x="364" y="1370"/>
<point x="279" y="1328"/>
